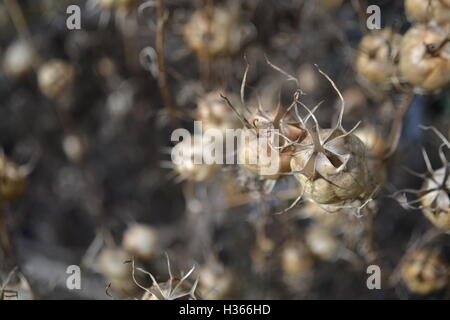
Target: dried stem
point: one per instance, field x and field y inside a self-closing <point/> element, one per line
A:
<point x="162" y="76"/>
<point x="398" y="124"/>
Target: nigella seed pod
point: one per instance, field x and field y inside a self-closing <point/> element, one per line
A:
<point x="55" y="78"/>
<point x="214" y="112"/>
<point x="425" y="57"/>
<point x="333" y="168"/>
<point x="377" y="55"/>
<point x="436" y="199"/>
<point x="216" y="32"/>
<point x="141" y="241"/>
<point x="428" y="10"/>
<point x="424" y="271"/>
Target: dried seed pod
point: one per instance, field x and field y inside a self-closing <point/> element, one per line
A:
<point x="141" y="241"/>
<point x="188" y="160"/>
<point x="436" y="199"/>
<point x="296" y="260"/>
<point x="428" y="10"/>
<point x="377" y="55"/>
<point x="215" y="113"/>
<point x="55" y="78"/>
<point x="19" y="59"/>
<point x="217" y="32"/>
<point x="332" y="166"/>
<point x="173" y="289"/>
<point x="424" y="271"/>
<point x="322" y="242"/>
<point x="425" y="57"/>
<point x="266" y="147"/>
<point x="216" y="281"/>
<point x="13" y="179"/>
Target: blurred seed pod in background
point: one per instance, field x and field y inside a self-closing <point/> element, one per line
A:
<point x="428" y="10"/>
<point x="425" y="57"/>
<point x="141" y="241"/>
<point x="13" y="179"/>
<point x="377" y="55"/>
<point x="216" y="282"/>
<point x="19" y="59"/>
<point x="424" y="271"/>
<point x="55" y="78"/>
<point x="322" y="242"/>
<point x="186" y="152"/>
<point x="217" y="32"/>
<point x="215" y="113"/>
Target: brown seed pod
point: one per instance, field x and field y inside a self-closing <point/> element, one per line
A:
<point x="217" y="32"/>
<point x="266" y="146"/>
<point x="55" y="78"/>
<point x="424" y="271"/>
<point x="185" y="165"/>
<point x="436" y="199"/>
<point x="141" y="241"/>
<point x="216" y="281"/>
<point x="428" y="10"/>
<point x="215" y="113"/>
<point x="377" y="54"/>
<point x="13" y="179"/>
<point x="19" y="59"/>
<point x="425" y="57"/>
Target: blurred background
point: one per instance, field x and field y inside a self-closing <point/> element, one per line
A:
<point x="90" y="134"/>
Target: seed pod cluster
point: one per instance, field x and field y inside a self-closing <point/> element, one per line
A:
<point x="216" y="32"/>
<point x="378" y="55"/>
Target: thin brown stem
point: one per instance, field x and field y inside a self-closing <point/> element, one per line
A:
<point x="162" y="74"/>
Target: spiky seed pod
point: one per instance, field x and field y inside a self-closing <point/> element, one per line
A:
<point x="216" y="32"/>
<point x="19" y="59"/>
<point x="377" y="54"/>
<point x="296" y="260"/>
<point x="173" y="289"/>
<point x="215" y="113"/>
<point x="216" y="281"/>
<point x="55" y="78"/>
<point x="424" y="271"/>
<point x="266" y="147"/>
<point x="436" y="199"/>
<point x="425" y="57"/>
<point x="428" y="10"/>
<point x="13" y="179"/>
<point x="142" y="241"/>
<point x="185" y="163"/>
<point x="331" y="166"/>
